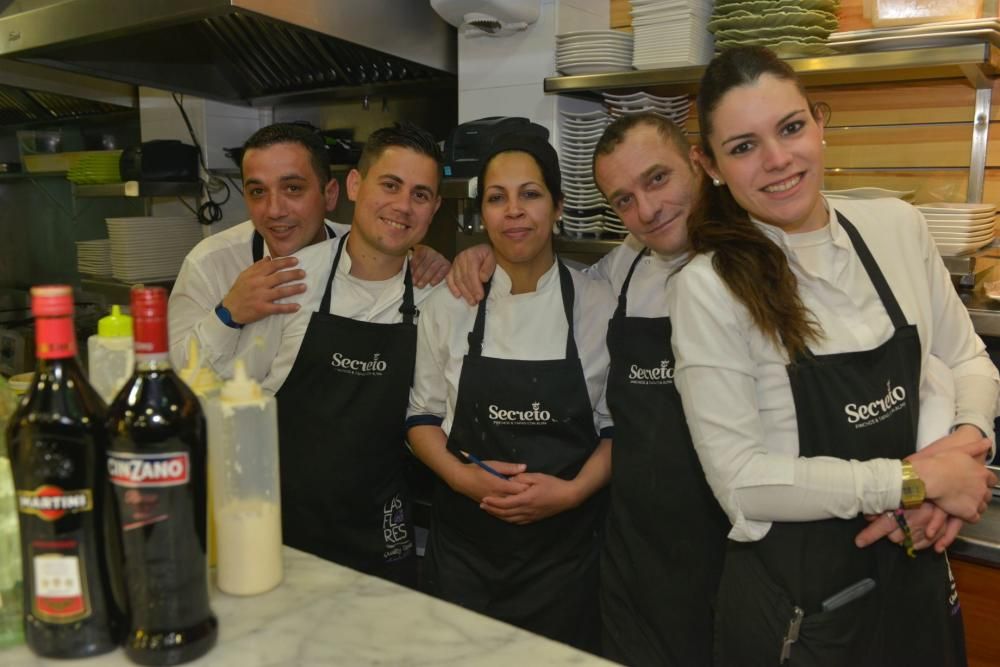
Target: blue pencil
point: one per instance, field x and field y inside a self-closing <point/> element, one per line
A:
<point x="475" y="459"/>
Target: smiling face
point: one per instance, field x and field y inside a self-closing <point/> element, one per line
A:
<point x="286" y="198"/>
<point x="650" y="184"/>
<point x="395" y="201"/>
<point x="768" y="150"/>
<point x="518" y="211"/>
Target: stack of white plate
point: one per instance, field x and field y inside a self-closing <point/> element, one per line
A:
<point x="790" y="28"/>
<point x="675" y="108"/>
<point x="938" y="33"/>
<point x="94" y="257"/>
<point x="671" y="33"/>
<point x="583" y="206"/>
<point x="593" y="52"/>
<point x="150" y="249"/>
<point x="959" y="228"/>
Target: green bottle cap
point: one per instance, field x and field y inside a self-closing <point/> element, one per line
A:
<point x="115" y="324"/>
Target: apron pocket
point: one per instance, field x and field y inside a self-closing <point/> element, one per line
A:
<point x="754" y="615"/>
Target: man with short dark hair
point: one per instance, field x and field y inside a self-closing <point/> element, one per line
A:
<point x="334" y="337"/>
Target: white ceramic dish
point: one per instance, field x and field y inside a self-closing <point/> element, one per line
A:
<point x="917" y="41"/>
<point x="869" y="193"/>
<point x="953" y="237"/>
<point x="923" y="29"/>
<point x="949" y="207"/>
<point x="967" y="228"/>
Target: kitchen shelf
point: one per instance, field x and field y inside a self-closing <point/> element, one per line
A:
<point x="139" y="189"/>
<point x="974" y="62"/>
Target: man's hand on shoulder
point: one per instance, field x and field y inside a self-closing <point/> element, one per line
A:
<point x="428" y="266"/>
<point x="252" y="297"/>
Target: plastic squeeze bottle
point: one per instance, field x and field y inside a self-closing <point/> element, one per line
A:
<point x="206" y="385"/>
<point x="110" y="355"/>
<point x="243" y="437"/>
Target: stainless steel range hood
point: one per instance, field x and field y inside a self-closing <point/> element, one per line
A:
<point x="250" y="51"/>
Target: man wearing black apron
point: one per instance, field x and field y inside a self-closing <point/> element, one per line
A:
<point x="342" y="408"/>
<point x="772" y="591"/>
<point x="238" y="288"/>
<point x="542" y="575"/>
<point x="666" y="533"/>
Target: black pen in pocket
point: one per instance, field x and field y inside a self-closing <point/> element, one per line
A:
<point x="849" y="594"/>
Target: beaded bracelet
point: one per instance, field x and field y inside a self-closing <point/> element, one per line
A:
<point x="905" y="527"/>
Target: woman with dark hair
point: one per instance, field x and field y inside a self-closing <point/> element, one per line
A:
<point x="508" y="407"/>
<point x="802" y="331"/>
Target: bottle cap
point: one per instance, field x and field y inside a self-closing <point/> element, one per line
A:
<point x="149" y="314"/>
<point x="201" y="378"/>
<point x="115" y="325"/>
<point x="241" y="389"/>
<point x="52" y="300"/>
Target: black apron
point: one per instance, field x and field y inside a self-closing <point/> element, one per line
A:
<point x="666" y="534"/>
<point x="341" y="416"/>
<point x="912" y="616"/>
<point x="543" y="576"/>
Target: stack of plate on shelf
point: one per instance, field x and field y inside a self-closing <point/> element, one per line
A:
<point x="94" y="257"/>
<point x="584" y="205"/>
<point x="670" y="33"/>
<point x="928" y="35"/>
<point x="95" y="167"/>
<point x="675" y="108"/>
<point x="959" y="228"/>
<point x="790" y="28"/>
<point x="867" y="192"/>
<point x="593" y="52"/>
<point x="150" y="249"/>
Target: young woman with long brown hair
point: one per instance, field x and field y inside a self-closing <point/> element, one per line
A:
<point x="802" y="330"/>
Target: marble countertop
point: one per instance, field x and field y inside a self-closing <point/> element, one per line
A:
<point x="326" y="614"/>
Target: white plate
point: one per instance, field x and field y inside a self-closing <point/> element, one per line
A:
<point x="916" y="41"/>
<point x="594" y="34"/>
<point x="956" y="207"/>
<point x="953" y="236"/>
<point x="924" y="28"/>
<point x="869" y="193"/>
<point x="572" y="70"/>
<point x="968" y="228"/>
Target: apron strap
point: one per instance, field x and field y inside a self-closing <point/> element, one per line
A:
<point x="257" y="243"/>
<point x="407" y="308"/>
<point x="874" y="273"/>
<point x="479" y="328"/>
<point x="324" y="305"/>
<point x="568" y="297"/>
<point x="622" y="297"/>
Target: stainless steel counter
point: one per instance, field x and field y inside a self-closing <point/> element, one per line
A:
<point x="981" y="541"/>
<point x="985" y="312"/>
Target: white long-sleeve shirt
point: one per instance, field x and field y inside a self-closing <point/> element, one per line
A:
<point x="529" y="326"/>
<point x="270" y="345"/>
<point x="736" y="391"/>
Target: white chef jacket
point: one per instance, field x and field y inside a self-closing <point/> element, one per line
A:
<point x="529" y="327"/>
<point x="735" y="389"/>
<point x="270" y="345"/>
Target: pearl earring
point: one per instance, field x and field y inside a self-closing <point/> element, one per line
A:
<point x="823" y="141"/>
<point x="716" y="182"/>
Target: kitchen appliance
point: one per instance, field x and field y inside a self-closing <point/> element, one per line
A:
<point x="495" y="18"/>
<point x="160" y="160"/>
<point x="464" y="148"/>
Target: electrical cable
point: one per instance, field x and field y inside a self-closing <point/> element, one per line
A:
<point x="211" y="210"/>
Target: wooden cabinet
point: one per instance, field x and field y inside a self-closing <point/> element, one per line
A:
<point x="979" y="594"/>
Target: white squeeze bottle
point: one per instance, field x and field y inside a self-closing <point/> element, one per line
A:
<point x="243" y="449"/>
<point x="206" y="385"/>
<point x="110" y="356"/>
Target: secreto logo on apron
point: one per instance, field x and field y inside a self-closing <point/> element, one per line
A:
<point x="373" y="367"/>
<point x="512" y="417"/>
<point x="662" y="374"/>
<point x="863" y="415"/>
